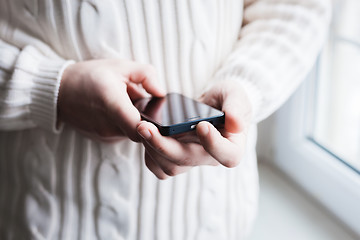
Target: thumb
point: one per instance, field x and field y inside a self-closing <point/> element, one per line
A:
<point x="234" y="117"/>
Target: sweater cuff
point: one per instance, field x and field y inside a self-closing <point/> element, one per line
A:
<point x="45" y="74"/>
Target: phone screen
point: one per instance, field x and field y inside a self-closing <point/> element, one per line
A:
<point x="175" y="109"/>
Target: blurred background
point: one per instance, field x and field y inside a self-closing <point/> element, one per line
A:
<point x="309" y="150"/>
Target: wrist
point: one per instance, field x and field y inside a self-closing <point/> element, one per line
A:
<point x="63" y="85"/>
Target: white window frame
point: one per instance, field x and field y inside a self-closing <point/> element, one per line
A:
<point x="322" y="175"/>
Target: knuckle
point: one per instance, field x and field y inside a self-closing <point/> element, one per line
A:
<point x="171" y="171"/>
<point x="149" y="70"/>
<point x="231" y="163"/>
<point x="161" y="176"/>
<point x="148" y="162"/>
<point x="215" y="163"/>
<point x="185" y="161"/>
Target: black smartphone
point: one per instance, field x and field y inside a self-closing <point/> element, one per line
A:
<point x="176" y="113"/>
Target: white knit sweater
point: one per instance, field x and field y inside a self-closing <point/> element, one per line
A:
<point x="57" y="184"/>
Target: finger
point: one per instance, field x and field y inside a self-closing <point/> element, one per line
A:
<point x="124" y="114"/>
<point x="187" y="137"/>
<point x="233" y="101"/>
<point x="135" y="91"/>
<point x="154" y="168"/>
<point x="237" y="112"/>
<point x="170" y="168"/>
<point x="213" y="98"/>
<point x="146" y="75"/>
<point x="228" y="103"/>
<point x="166" y="146"/>
<point x="181" y="154"/>
<point x="222" y="149"/>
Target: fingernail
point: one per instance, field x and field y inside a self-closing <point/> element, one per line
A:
<point x="145" y="134"/>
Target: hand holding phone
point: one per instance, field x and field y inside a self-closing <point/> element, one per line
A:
<point x="95" y="97"/>
<point x="174" y="113"/>
<point x="170" y="156"/>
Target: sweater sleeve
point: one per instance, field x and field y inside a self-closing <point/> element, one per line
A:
<point x="277" y="46"/>
<point x="29" y="85"/>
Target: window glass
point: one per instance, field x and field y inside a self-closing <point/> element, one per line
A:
<point x="337" y="110"/>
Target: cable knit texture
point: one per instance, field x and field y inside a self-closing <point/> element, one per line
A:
<point x="57" y="184"/>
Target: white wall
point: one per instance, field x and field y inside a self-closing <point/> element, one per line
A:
<point x="265" y="141"/>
